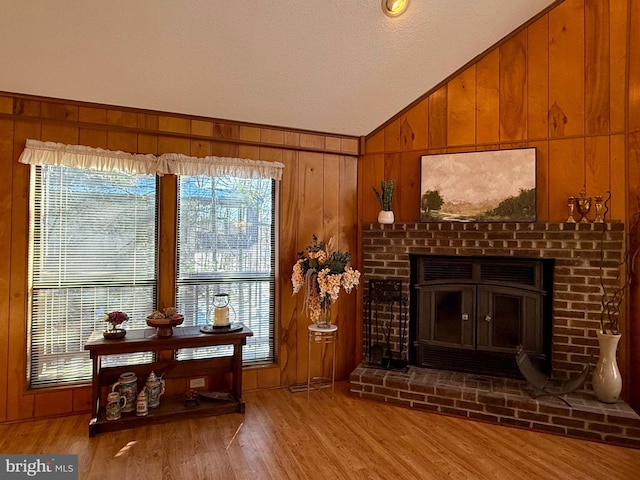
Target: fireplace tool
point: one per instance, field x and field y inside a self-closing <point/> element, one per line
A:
<point x="384" y="294"/>
<point x="376" y="351"/>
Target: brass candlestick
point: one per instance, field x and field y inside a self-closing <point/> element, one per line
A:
<point x="571" y="205"/>
<point x="599" y="206"/>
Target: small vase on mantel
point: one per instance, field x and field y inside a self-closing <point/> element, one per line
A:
<point x="385" y="217"/>
<point x="607" y="382"/>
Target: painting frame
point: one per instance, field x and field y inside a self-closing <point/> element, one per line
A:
<point x="484" y="186"/>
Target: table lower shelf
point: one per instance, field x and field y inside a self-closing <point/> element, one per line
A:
<point x="169" y="410"/>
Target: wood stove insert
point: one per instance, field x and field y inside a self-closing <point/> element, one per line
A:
<point x="470" y="314"/>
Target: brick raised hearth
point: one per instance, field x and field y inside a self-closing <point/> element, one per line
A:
<point x="576" y="315"/>
<point x="499" y="400"/>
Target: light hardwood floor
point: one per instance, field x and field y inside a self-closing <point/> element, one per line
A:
<point x="282" y="435"/>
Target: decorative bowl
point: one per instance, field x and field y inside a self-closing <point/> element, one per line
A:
<point x="114" y="334"/>
<point x="165" y="326"/>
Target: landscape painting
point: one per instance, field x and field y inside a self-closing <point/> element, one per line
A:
<point x="492" y="186"/>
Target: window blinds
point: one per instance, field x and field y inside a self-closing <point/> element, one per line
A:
<point x="226" y="244"/>
<point x="93" y="250"/>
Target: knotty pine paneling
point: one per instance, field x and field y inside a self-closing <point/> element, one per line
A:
<point x="438" y="118"/>
<point x="617" y="62"/>
<point x="542" y="177"/>
<point x="488" y="98"/>
<point x="58" y="111"/>
<point x="461" y="106"/>
<point x="6" y="165"/>
<point x="6" y="105"/>
<point x="566" y="83"/>
<point x="414" y="127"/>
<point x="538" y="79"/>
<point x="634" y="68"/>
<point x="125" y="141"/>
<point x="597" y="151"/>
<point x="92" y="115"/>
<point x="92" y="137"/>
<point x="200" y="148"/>
<point x="20" y="405"/>
<point x="348" y="321"/>
<point x="633" y="337"/>
<point x="288" y="241"/>
<point x="174" y="124"/>
<point x="567" y="68"/>
<point x="53" y="403"/>
<point x="597" y="66"/>
<point x="513" y="88"/>
<point x="410" y="171"/>
<point x="167" y="240"/>
<point x="619" y="179"/>
<point x="633" y="182"/>
<point x="59" y="133"/>
<point x="122" y="118"/>
<point x="392" y="136"/>
<point x="318" y="194"/>
<point x="375" y="143"/>
<point x="311" y="173"/>
<point x="369" y="176"/>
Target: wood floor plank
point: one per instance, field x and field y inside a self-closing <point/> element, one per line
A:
<point x="283" y="435"/>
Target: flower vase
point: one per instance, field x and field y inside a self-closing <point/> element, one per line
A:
<point x="607" y="382"/>
<point x="114" y="333"/>
<point x="324" y="320"/>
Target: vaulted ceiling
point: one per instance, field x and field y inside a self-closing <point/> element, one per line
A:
<point x="336" y="66"/>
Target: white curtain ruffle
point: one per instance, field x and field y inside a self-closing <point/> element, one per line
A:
<point x="178" y="164"/>
<point x="89" y="158"/>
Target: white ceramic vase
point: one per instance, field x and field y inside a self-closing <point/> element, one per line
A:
<point x="385" y="217"/>
<point x="607" y="382"/>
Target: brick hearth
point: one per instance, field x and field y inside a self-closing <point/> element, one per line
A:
<point x="499" y="400"/>
<point x="576" y="318"/>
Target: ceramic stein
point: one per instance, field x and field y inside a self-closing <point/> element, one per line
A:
<point x="115" y="404"/>
<point x="142" y="403"/>
<point x="127" y="386"/>
<point x="155" y="388"/>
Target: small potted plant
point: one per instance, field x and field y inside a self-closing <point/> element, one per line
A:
<point x="385" y="197"/>
<point x="113" y="321"/>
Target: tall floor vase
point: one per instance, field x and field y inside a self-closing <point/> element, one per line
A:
<point x="607" y="382"/>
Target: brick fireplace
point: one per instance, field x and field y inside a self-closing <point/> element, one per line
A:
<point x="578" y="264"/>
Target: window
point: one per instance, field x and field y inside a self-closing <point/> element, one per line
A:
<point x="226" y="244"/>
<point x="93" y="250"/>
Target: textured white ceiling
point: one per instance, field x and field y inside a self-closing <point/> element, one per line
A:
<point x="337" y="66"/>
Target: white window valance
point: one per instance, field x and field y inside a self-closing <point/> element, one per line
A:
<point x="179" y="164"/>
<point x="89" y="158"/>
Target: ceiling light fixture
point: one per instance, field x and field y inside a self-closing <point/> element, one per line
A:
<point x="393" y="8"/>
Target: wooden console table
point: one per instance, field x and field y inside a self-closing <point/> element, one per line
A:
<point x="145" y="340"/>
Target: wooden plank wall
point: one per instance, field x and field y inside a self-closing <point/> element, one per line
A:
<point x="633" y="176"/>
<point x="558" y="84"/>
<point x="317" y="195"/>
